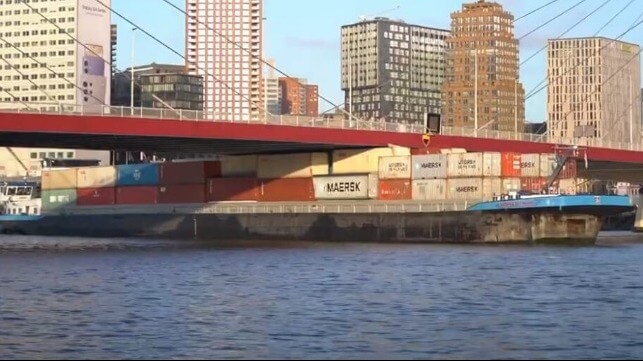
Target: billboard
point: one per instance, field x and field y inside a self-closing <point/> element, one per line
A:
<point x="93" y="56"/>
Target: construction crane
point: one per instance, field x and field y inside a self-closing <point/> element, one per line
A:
<point x="371" y="17"/>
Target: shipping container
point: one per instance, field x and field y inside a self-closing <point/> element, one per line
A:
<point x="395" y="189"/>
<point x="567" y="186"/>
<point x="425" y="151"/>
<point x="492" y="163"/>
<point x="465" y="165"/>
<point x="137" y="174"/>
<point x="373" y="186"/>
<point x="233" y="189"/>
<point x="137" y="195"/>
<point x="530" y="166"/>
<point x="429" y="166"/>
<point x="286" y="190"/>
<point x="182" y="194"/>
<point x="53" y="199"/>
<point x="239" y="166"/>
<point x="363" y="161"/>
<point x="511" y="185"/>
<point x="303" y="165"/>
<point x="96" y="177"/>
<point x="180" y="173"/>
<point x="398" y="167"/>
<point x="534" y="185"/>
<point x="430" y="190"/>
<point x="96" y="196"/>
<point x="465" y="189"/>
<point x="491" y="187"/>
<point x="511" y="167"/>
<point x="60" y="179"/>
<point x="341" y="187"/>
<point x="548" y="165"/>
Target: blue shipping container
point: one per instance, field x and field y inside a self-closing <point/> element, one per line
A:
<point x="138" y="175"/>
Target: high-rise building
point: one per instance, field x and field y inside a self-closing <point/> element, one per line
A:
<point x="594" y="86"/>
<point x="224" y="47"/>
<point x="392" y="71"/>
<point x="271" y="90"/>
<point x="43" y="67"/>
<point x="482" y="86"/>
<point x="114" y="43"/>
<point x="298" y="97"/>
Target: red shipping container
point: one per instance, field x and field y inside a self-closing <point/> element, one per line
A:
<point x="511" y="167"/>
<point x="137" y="195"/>
<point x="188" y="172"/>
<point x="96" y="196"/>
<point x="393" y="190"/>
<point x="535" y="185"/>
<point x="233" y="189"/>
<point x="425" y="151"/>
<point x="286" y="190"/>
<point x="182" y="194"/>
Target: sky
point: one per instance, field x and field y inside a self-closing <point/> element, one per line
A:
<point x="303" y="36"/>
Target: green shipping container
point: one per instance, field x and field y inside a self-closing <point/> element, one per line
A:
<point x="58" y="198"/>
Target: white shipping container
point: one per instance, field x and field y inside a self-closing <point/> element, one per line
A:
<point x="96" y="177"/>
<point x="567" y="186"/>
<point x="360" y="161"/>
<point x="492" y="164"/>
<point x="511" y="185"/>
<point x="342" y="187"/>
<point x="547" y="164"/>
<point x="430" y="190"/>
<point x="59" y="179"/>
<point x="491" y="187"/>
<point x="395" y="167"/>
<point x="239" y="166"/>
<point x="303" y="165"/>
<point x="465" y="165"/>
<point x="465" y="189"/>
<point x="433" y="166"/>
<point x="530" y="165"/>
<point x="373" y="186"/>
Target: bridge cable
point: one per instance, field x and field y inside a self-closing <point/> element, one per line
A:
<point x="260" y="107"/>
<point x="552" y="19"/>
<point x="25" y="77"/>
<point x="536" y="10"/>
<point x="569" y="29"/>
<point x="15" y="98"/>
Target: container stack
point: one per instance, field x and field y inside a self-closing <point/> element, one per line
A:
<point x="96" y="186"/>
<point x="59" y="189"/>
<point x="137" y="184"/>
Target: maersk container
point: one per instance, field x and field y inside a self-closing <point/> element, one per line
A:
<point x="398" y="167"/>
<point x="465" y="189"/>
<point x="304" y="165"/>
<point x="138" y="175"/>
<point x="511" y="165"/>
<point x="430" y="190"/>
<point x="59" y="179"/>
<point x="429" y="166"/>
<point x="342" y="187"/>
<point x="96" y="177"/>
<point x="239" y="166"/>
<point x="530" y="166"/>
<point x="465" y="165"/>
<point x="511" y="185"/>
<point x="54" y="199"/>
<point x="492" y="163"/>
<point x="363" y="161"/>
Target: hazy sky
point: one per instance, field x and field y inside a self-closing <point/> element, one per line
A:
<point x="303" y="36"/>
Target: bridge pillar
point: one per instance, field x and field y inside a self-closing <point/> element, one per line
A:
<point x="638" y="223"/>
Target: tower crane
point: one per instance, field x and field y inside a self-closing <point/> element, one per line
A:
<point x="371" y="17"/>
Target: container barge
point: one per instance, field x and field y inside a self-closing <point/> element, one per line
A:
<point x="377" y="195"/>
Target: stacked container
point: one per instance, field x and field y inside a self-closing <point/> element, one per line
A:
<point x="429" y="175"/>
<point x="289" y="177"/>
<point x="476" y="176"/>
<point x="137" y="184"/>
<point x="59" y="189"/>
<point x="96" y="186"/>
<point x="185" y="182"/>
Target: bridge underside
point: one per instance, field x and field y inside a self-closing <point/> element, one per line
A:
<point x="156" y="144"/>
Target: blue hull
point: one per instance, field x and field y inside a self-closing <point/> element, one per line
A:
<point x="586" y="204"/>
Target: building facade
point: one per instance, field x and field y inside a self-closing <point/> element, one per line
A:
<point x="122" y="84"/>
<point x="297" y="97"/>
<point x="392" y="71"/>
<point x="42" y="67"/>
<point x="482" y="86"/>
<point x="175" y="90"/>
<point x="217" y="33"/>
<point x="593" y="92"/>
<point x="272" y="98"/>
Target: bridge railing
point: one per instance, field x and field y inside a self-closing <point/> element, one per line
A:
<point x="297" y="121"/>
